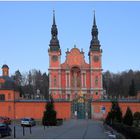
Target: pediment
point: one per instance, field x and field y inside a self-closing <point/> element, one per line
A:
<point x="75" y="57"/>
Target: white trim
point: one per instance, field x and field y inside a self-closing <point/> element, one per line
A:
<point x="91" y="79"/>
<point x="66" y="79"/>
<point x="59" y="57"/>
<point x="84" y="89"/>
<point x="96" y="69"/>
<point x="85" y="79"/>
<point x="69" y="81"/>
<point x="82" y="79"/>
<point x="49" y="60"/>
<point x="59" y="74"/>
<point x="55" y="88"/>
<point x="96" y="89"/>
<point x="54" y="68"/>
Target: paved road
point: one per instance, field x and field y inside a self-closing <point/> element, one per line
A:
<point x="72" y="129"/>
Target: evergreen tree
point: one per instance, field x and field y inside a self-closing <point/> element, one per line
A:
<point x="132" y="91"/>
<point x="115" y="115"/>
<point x="118" y="113"/>
<point x="18" y="77"/>
<point x="136" y="118"/>
<point x="49" y="117"/>
<point x="109" y="118"/>
<point x="128" y="117"/>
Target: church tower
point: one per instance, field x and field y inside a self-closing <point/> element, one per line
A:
<point x="95" y="61"/>
<point x="54" y="62"/>
<point x="5" y="70"/>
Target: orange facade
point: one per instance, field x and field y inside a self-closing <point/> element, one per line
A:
<point x="73" y="79"/>
<point x="35" y="109"/>
<point x="100" y="109"/>
<point x="75" y="75"/>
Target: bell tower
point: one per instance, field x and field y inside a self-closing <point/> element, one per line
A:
<point x="5" y="70"/>
<point x="95" y="61"/>
<point x="54" y="52"/>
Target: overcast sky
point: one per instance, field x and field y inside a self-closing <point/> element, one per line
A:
<point x="25" y="33"/>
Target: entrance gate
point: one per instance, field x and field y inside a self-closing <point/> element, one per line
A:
<point x="81" y="108"/>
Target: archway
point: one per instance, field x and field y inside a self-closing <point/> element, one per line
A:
<point x="81" y="107"/>
<point x="75" y="78"/>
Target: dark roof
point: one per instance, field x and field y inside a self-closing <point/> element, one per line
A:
<point x="95" y="43"/>
<point x="5" y="66"/>
<point x="7" y="78"/>
<point x="9" y="83"/>
<point x="54" y="42"/>
<point x="119" y="100"/>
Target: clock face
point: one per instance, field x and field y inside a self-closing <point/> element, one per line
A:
<point x="54" y="58"/>
<point x="96" y="58"/>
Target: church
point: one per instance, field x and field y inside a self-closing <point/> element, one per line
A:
<point x="75" y="85"/>
<point x="75" y="76"/>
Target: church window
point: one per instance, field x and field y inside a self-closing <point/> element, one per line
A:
<point x="67" y="80"/>
<point x="68" y="96"/>
<point x="2" y="97"/>
<point x="96" y="81"/>
<point x="9" y="96"/>
<point x="9" y="108"/>
<point x="54" y="81"/>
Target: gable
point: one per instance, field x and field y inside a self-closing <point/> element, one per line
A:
<point x="75" y="58"/>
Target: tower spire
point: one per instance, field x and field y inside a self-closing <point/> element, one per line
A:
<point x="54" y="42"/>
<point x="94" y="22"/>
<point x="95" y="43"/>
<point x="53" y="17"/>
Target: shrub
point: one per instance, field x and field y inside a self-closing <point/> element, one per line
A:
<point x="115" y="114"/>
<point x="128" y="117"/>
<point x="49" y="117"/>
<point x="128" y="131"/>
<point x="136" y="118"/>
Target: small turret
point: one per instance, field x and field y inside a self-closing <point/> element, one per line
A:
<point x="5" y="70"/>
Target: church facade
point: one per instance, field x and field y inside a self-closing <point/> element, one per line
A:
<point x="75" y="76"/>
<point x="76" y="86"/>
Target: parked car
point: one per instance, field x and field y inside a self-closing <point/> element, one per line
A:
<point x="28" y="122"/>
<point x="5" y="120"/>
<point x="5" y="130"/>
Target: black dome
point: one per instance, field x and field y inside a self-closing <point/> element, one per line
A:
<point x="5" y="66"/>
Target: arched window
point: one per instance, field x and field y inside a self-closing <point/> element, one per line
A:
<point x="76" y="77"/>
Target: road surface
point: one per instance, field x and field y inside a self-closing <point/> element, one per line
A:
<point x="72" y="129"/>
